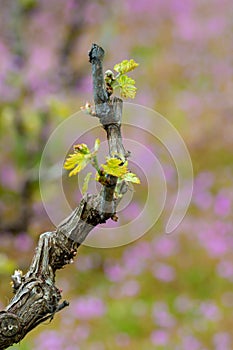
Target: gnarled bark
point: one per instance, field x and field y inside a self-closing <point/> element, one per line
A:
<point x="36" y="297"/>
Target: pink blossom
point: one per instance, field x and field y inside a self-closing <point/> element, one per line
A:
<point x="222" y="205"/>
<point x="191" y="343"/>
<point x="165" y="247"/>
<point x="23" y="242"/>
<point x="217" y="246"/>
<point x="187" y="28"/>
<point x="49" y="340"/>
<point x="204" y="181"/>
<point x="222" y="341"/>
<point x="9" y="177"/>
<point x="162" y="316"/>
<point x="203" y="200"/>
<point x="164" y="272"/>
<point x="159" y="337"/>
<point x="210" y="311"/>
<point x="41" y="59"/>
<point x="114" y="272"/>
<point x="133" y="263"/>
<point x="215" y="242"/>
<point x="86" y="308"/>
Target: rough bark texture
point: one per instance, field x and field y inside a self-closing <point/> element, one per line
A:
<point x="36" y="298"/>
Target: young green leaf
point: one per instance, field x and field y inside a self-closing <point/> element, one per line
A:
<point x="127" y="86"/>
<point x="81" y="157"/>
<point x="114" y="167"/>
<point x="131" y="177"/>
<point x="77" y="162"/>
<point x="125" y="66"/>
<point x="86" y="182"/>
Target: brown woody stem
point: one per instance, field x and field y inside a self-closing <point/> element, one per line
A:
<point x="36" y="297"/>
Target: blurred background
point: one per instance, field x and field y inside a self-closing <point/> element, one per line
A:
<point x="160" y="292"/>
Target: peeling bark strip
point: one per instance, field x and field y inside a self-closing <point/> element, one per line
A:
<point x="36" y="297"/>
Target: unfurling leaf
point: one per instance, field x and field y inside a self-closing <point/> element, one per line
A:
<point x="78" y="160"/>
<point x="86" y="182"/>
<point x="131" y="177"/>
<point x="127" y="86"/>
<point x="115" y="167"/>
<point x="81" y="157"/>
<point x="81" y="148"/>
<point x="125" y="66"/>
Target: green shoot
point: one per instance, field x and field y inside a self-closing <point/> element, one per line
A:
<point x="122" y="80"/>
